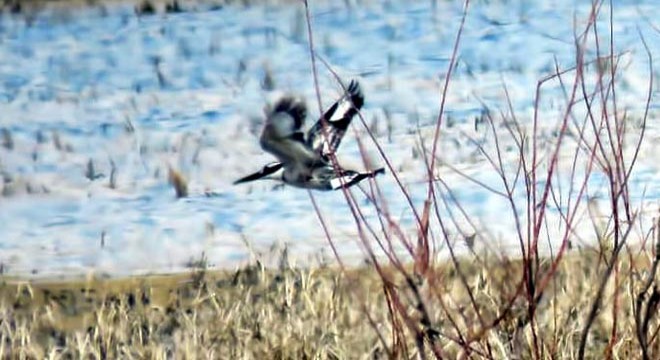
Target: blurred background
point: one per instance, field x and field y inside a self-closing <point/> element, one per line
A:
<point x="108" y="108"/>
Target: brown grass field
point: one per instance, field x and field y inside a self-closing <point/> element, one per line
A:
<point x="293" y="313"/>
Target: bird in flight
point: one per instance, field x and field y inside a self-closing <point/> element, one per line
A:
<point x="304" y="158"/>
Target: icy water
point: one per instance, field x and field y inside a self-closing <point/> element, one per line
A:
<point x="97" y="105"/>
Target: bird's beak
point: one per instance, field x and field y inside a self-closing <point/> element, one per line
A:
<point x="267" y="170"/>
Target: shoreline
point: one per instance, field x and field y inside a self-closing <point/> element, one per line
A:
<point x="17" y="7"/>
<point x="294" y="312"/>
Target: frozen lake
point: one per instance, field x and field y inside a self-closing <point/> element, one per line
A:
<point x="98" y="105"/>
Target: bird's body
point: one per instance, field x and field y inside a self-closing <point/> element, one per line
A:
<point x="304" y="158"/>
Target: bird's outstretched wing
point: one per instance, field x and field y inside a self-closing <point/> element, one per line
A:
<point x="283" y="136"/>
<point x="349" y="178"/>
<point x="325" y="138"/>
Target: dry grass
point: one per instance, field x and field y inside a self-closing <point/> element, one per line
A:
<point x="311" y="313"/>
<point x="29" y="6"/>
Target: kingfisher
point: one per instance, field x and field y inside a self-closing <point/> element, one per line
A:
<point x="303" y="159"/>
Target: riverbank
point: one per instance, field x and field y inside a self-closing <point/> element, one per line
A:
<point x="317" y="313"/>
<point x="31" y="6"/>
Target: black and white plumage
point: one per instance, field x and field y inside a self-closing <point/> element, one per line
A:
<point x="304" y="158"/>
